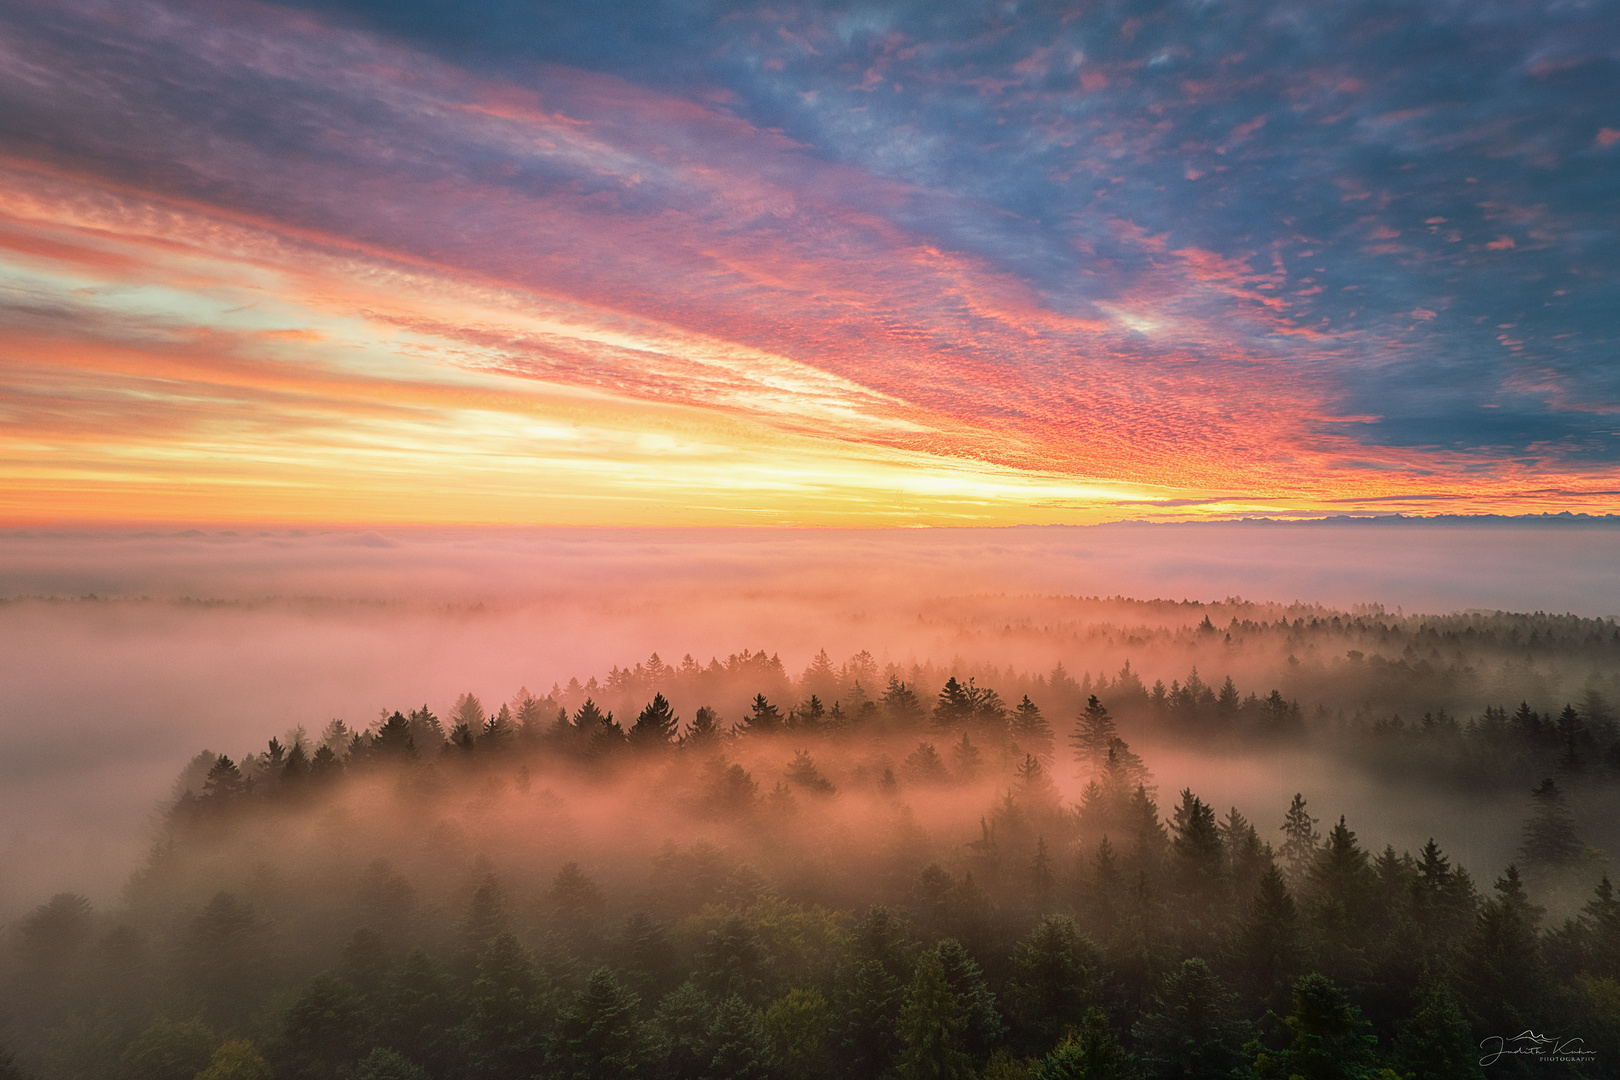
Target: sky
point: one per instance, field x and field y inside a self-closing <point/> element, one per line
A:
<point x="704" y="263"/>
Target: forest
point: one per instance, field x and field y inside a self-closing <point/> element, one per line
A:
<point x="884" y="869"/>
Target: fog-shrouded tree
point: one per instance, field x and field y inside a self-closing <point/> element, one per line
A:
<point x="1093" y="733"/>
<point x="1193" y="1028"/>
<point x="1030" y="731"/>
<point x="933" y="1026"/>
<point x="1301" y="841"/>
<point x="656" y="724"/>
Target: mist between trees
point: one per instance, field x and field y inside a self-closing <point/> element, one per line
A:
<point x="868" y="869"/>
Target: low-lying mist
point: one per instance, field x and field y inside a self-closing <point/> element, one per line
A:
<point x="128" y="652"/>
<point x="712" y="775"/>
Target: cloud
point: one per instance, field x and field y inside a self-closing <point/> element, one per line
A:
<point x="370" y="231"/>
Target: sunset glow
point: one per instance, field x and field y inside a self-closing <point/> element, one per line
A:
<point x="260" y="263"/>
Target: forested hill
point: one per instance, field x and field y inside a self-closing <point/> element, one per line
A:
<point x="725" y="870"/>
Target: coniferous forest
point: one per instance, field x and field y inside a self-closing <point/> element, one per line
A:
<point x="873" y="869"/>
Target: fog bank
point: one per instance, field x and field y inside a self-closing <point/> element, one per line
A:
<point x="244" y="635"/>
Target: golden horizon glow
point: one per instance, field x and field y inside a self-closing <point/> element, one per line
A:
<point x="258" y="377"/>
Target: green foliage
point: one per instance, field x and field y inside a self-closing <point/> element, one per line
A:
<point x="746" y="957"/>
<point x="599" y="1037"/>
<point x="512" y="1007"/>
<point x="1092" y="1053"/>
<point x="933" y="1026"/>
<point x="1549" y="835"/>
<point x="1330" y="1040"/>
<point x="237" y="1060"/>
<point x="798" y="1026"/>
<point x="1192" y="1030"/>
<point x="1435" y="1043"/>
<point x="385" y="1064"/>
<point x="168" y="1050"/>
<point x="324" y="1033"/>
<point x="1053" y="977"/>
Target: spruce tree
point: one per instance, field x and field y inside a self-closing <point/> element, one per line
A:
<point x="1300" y="843"/>
<point x="1329" y="1039"/>
<point x="985" y="1028"/>
<point x="740" y="1050"/>
<point x="1053" y="971"/>
<point x="763" y="717"/>
<point x="1435" y="1042"/>
<point x="655" y="726"/>
<point x="598" y="1038"/>
<point x="1192" y="1030"/>
<point x="1549" y="835"/>
<point x="1501" y="964"/>
<point x="1266" y="949"/>
<point x="933" y="1027"/>
<point x="1600" y="924"/>
<point x="1091" y="1053"/>
<point x="1093" y="731"/>
<point x="1030" y="731"/>
<point x="511" y="1009"/>
<point x="324" y="1033"/>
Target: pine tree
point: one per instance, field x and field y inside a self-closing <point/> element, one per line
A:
<point x="984" y="1029"/>
<point x="925" y="766"/>
<point x="575" y="900"/>
<point x="1093" y="732"/>
<point x="324" y="1033"/>
<point x="1436" y="1043"/>
<point x="803" y="773"/>
<point x="1330" y="1040"/>
<point x="1266" y="946"/>
<point x="1340" y="890"/>
<point x="468" y="714"/>
<point x="164" y="1049"/>
<point x="1200" y="856"/>
<point x="871" y="991"/>
<point x="1052" y="983"/>
<point x="1600" y="924"/>
<point x="1035" y="791"/>
<point x="735" y="963"/>
<point x="763" y="718"/>
<point x="740" y="1050"/>
<point x="1549" y="835"/>
<point x="512" y="1008"/>
<point x="385" y="1064"/>
<point x="598" y="1038"/>
<point x="1442" y="903"/>
<point x="394" y="739"/>
<point x="498" y="730"/>
<point x="419" y="1012"/>
<point x="225" y="781"/>
<point x="954" y="707"/>
<point x="1030" y="731"/>
<point x="933" y="1027"/>
<point x="1091" y="1053"/>
<point x="1041" y="880"/>
<point x="238" y="1059"/>
<point x="704" y="731"/>
<point x="1501" y="964"/>
<point x="901" y="705"/>
<point x="1300" y="843"/>
<point x="1192" y="1030"/>
<point x="796" y="1026"/>
<point x="965" y="756"/>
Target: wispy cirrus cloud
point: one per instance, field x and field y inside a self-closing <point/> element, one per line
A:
<point x="999" y="263"/>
